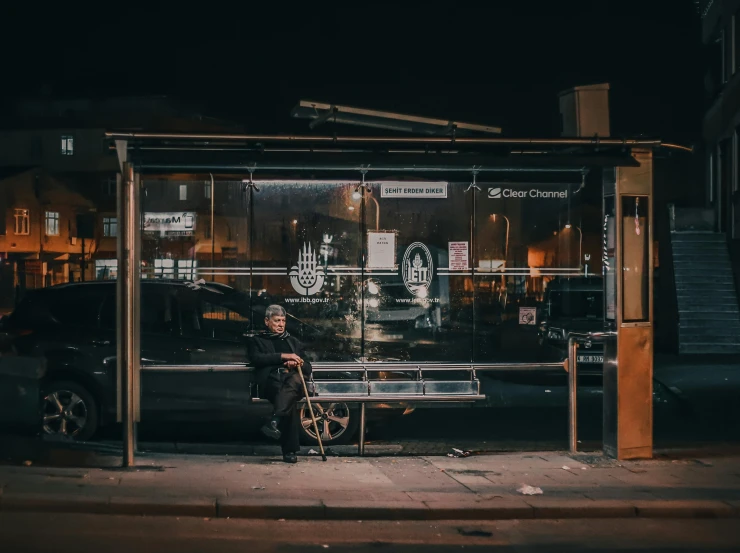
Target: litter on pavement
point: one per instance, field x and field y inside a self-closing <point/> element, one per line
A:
<point x="313" y="452"/>
<point x="458" y="453"/>
<point x="529" y="490"/>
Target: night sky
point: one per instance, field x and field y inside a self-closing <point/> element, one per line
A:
<point x="494" y="65"/>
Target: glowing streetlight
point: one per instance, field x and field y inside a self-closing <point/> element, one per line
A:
<point x="357" y="195"/>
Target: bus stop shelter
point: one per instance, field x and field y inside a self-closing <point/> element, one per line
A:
<point x="458" y="233"/>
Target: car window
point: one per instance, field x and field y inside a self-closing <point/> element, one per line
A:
<point x="213" y="315"/>
<point x="576" y="303"/>
<point x="156" y="312"/>
<point x="77" y="306"/>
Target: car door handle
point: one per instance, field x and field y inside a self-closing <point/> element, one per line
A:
<point x="100" y="342"/>
<point x="195" y="350"/>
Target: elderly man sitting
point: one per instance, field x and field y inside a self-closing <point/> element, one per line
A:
<point x="278" y="356"/>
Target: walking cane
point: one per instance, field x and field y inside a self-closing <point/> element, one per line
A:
<point x="310" y="410"/>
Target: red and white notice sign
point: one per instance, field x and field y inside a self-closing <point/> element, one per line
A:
<point x="458" y="252"/>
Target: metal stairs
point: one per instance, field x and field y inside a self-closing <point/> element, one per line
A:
<point x="709" y="318"/>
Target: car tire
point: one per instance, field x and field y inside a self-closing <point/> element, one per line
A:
<point x="70" y="411"/>
<point x="340" y="419"/>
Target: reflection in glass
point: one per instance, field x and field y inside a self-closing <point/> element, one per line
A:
<point x="635" y="259"/>
<point x="307" y="257"/>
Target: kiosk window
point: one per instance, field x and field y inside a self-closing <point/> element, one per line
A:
<point x="635" y="259"/>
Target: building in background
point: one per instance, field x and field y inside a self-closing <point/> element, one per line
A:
<point x="721" y="37"/>
<point x="55" y="166"/>
<point x="41" y="221"/>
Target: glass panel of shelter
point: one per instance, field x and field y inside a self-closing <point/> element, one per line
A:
<point x="526" y="237"/>
<point x="433" y="279"/>
<point x="307" y="257"/>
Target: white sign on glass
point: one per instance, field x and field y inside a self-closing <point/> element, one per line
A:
<point x="458" y="254"/>
<point x="381" y="250"/>
<point x="413" y="190"/>
<point x="527" y="315"/>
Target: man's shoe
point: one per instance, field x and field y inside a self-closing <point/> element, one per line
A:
<point x="271" y="430"/>
<point x="290" y="458"/>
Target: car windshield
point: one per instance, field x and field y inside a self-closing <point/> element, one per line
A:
<point x="577" y="304"/>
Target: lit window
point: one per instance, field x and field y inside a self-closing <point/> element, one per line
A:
<point x="52" y="223"/>
<point x="183" y="191"/>
<point x="207" y="190"/>
<point x="22" y="221"/>
<point x="68" y="145"/>
<point x="106" y="269"/>
<point x="110" y="226"/>
<point x="187" y="269"/>
<point x="164" y="268"/>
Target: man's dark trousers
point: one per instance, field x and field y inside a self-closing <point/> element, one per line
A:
<point x="283" y="388"/>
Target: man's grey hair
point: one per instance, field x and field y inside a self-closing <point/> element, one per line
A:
<point x="274" y="311"/>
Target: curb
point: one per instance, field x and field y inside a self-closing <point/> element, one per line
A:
<point x="329" y="509"/>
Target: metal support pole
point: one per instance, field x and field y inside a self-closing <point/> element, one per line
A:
<point x="361" y="445"/>
<point x="127" y="291"/>
<point x="213" y="231"/>
<point x="572" y="394"/>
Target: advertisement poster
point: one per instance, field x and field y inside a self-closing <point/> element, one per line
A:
<point x="170" y="223"/>
<point x="527" y="315"/>
<point x="381" y="250"/>
<point x="458" y="254"/>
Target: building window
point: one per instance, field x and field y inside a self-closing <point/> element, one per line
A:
<point x="52" y="223"/>
<point x="164" y="268"/>
<point x="68" y="145"/>
<point x="106" y="269"/>
<point x="110" y="226"/>
<point x="183" y="192"/>
<point x="22" y="222"/>
<point x="207" y="190"/>
<point x="187" y="269"/>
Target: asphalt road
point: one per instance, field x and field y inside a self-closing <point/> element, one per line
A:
<point x="58" y="533"/>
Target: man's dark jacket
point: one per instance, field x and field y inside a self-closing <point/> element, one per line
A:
<point x="263" y="356"/>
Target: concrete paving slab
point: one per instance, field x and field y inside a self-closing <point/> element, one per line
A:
<point x="163" y="506"/>
<point x="557" y="508"/>
<point x="360" y="509"/>
<point x="49" y="503"/>
<point x="684" y="509"/>
<point x="245" y="507"/>
<point x="498" y="509"/>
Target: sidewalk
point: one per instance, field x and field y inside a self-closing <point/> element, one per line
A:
<point x="479" y="487"/>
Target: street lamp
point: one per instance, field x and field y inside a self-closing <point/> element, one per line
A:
<point x="580" y="240"/>
<point x="506" y="244"/>
<point x="356" y="195"/>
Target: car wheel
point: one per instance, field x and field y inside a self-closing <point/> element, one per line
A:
<point x="336" y="421"/>
<point x="69" y="411"/>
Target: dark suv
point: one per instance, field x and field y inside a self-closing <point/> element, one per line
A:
<point x="573" y="305"/>
<point x="184" y="328"/>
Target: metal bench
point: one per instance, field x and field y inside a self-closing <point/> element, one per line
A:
<point x="390" y="383"/>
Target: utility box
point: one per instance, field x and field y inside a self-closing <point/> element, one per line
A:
<point x="585" y="111"/>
